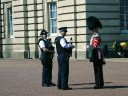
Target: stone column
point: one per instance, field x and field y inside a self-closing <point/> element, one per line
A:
<point x="1" y="55"/>
<point x="36" y="29"/>
<point x="75" y="28"/>
<point x="27" y="50"/>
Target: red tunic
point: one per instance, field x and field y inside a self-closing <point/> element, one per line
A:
<point x="95" y="41"/>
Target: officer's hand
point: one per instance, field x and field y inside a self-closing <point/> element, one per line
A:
<point x="73" y="46"/>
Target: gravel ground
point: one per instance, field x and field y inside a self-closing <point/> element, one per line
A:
<point x="23" y="78"/>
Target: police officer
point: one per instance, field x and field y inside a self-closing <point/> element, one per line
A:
<point x="94" y="24"/>
<point x="63" y="50"/>
<point x="47" y="51"/>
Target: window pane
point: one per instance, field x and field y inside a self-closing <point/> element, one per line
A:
<point x="53" y="18"/>
<point x="54" y="22"/>
<point x="127" y="18"/>
<point x="52" y="29"/>
<point x="11" y="29"/>
<point x="51" y="14"/>
<point x="50" y="25"/>
<point x="126" y="2"/>
<point x="55" y="14"/>
<point x="121" y="2"/>
<point x="10" y="24"/>
<point x="51" y="22"/>
<point x="54" y="7"/>
<point x="122" y="10"/>
<point x="56" y="29"/>
<point x="50" y="6"/>
<point x="126" y="10"/>
<point x="124" y="15"/>
<point x="127" y="26"/>
<point x="122" y="26"/>
<point x="122" y="18"/>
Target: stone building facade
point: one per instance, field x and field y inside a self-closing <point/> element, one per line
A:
<point x="22" y="20"/>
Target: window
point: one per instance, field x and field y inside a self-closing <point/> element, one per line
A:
<point x="10" y="24"/>
<point x="124" y="16"/>
<point x="52" y="18"/>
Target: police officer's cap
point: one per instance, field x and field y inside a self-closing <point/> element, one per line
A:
<point x="43" y="32"/>
<point x="93" y="22"/>
<point x="63" y="29"/>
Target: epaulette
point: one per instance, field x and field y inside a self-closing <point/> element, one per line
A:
<point x="58" y="38"/>
<point x="96" y="35"/>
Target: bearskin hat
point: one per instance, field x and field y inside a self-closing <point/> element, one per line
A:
<point x="93" y="22"/>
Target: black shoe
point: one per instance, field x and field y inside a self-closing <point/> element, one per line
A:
<point x="95" y="87"/>
<point x="45" y="85"/>
<point x="52" y="84"/>
<point x="68" y="88"/>
<point x="59" y="88"/>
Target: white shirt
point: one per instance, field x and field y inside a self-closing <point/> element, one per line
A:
<point x="64" y="44"/>
<point x="42" y="44"/>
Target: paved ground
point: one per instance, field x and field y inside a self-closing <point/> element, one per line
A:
<point x="23" y="78"/>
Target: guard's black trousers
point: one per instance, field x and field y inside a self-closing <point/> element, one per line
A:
<point x="98" y="71"/>
<point x="47" y="72"/>
<point x="63" y="71"/>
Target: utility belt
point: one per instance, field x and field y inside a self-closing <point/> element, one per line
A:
<point x="65" y="54"/>
<point x="47" y="55"/>
<point x="64" y="57"/>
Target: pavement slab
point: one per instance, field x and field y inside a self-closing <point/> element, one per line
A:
<point x="23" y="78"/>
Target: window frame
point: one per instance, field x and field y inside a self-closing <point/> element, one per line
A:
<point x="50" y="19"/>
<point x="9" y="22"/>
<point x="124" y="21"/>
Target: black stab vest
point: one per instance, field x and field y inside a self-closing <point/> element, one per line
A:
<point x="60" y="49"/>
<point x="48" y="45"/>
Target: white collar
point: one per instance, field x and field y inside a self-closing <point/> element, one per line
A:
<point x="45" y="39"/>
<point x="60" y="35"/>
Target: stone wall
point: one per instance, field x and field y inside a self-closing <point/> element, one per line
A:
<point x="27" y="24"/>
<point x="31" y="16"/>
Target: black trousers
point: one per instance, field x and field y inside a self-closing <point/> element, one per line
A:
<point x="98" y="71"/>
<point x="63" y="71"/>
<point x="47" y="72"/>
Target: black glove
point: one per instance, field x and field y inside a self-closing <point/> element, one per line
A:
<point x="103" y="62"/>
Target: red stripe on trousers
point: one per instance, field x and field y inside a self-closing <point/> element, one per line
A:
<point x="98" y="75"/>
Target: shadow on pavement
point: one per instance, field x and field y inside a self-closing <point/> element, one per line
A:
<point x="83" y="88"/>
<point x="81" y="84"/>
<point x="85" y="84"/>
<point x="105" y="87"/>
<point x="114" y="87"/>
